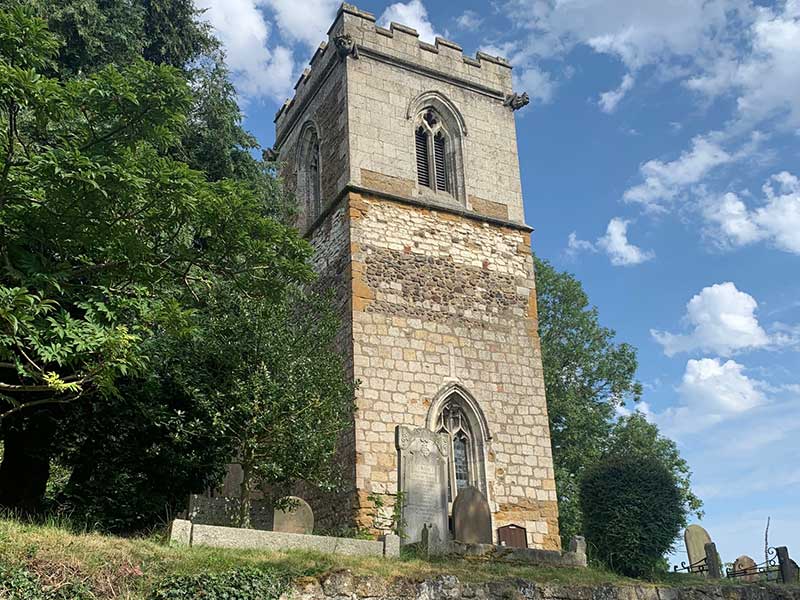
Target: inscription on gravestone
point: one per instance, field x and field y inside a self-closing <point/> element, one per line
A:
<point x="422" y="462"/>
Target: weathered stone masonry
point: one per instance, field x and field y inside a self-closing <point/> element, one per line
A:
<point x="436" y="289"/>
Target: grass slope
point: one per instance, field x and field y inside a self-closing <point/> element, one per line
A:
<point x="132" y="568"/>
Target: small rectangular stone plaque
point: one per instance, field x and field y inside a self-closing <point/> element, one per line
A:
<point x="422" y="460"/>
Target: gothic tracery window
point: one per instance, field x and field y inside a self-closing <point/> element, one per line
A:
<point x="431" y="144"/>
<point x="454" y="421"/>
<point x="308" y="183"/>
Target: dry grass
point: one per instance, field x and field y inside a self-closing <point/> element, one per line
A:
<point x="126" y="568"/>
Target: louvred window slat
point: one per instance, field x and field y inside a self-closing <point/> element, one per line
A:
<point x="440" y="162"/>
<point x="423" y="161"/>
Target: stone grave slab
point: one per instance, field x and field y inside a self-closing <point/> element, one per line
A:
<point x="472" y="518"/>
<point x="422" y="459"/>
<point x="297" y="517"/>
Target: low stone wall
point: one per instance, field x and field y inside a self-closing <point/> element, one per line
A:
<point x="343" y="585"/>
<point x="528" y="556"/>
<point x="189" y="534"/>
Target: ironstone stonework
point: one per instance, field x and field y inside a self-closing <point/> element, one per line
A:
<point x="297" y="517"/>
<point x="696" y="537"/>
<point x="472" y="518"/>
<point x="423" y="459"/>
<point x="434" y="285"/>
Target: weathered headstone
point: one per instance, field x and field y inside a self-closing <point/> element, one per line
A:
<point x="745" y="569"/>
<point x="696" y="538"/>
<point x="713" y="562"/>
<point x="297" y="517"/>
<point x="472" y="518"/>
<point x="788" y="568"/>
<point x="422" y="457"/>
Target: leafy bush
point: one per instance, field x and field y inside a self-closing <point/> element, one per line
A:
<point x="239" y="584"/>
<point x="633" y="512"/>
<point x="19" y="584"/>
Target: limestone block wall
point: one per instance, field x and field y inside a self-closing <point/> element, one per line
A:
<point x="439" y="300"/>
<point x="393" y="70"/>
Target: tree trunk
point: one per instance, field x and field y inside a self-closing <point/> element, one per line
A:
<point x="244" y="496"/>
<point x="27" y="447"/>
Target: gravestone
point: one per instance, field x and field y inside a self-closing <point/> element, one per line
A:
<point x="745" y="564"/>
<point x="472" y="518"/>
<point x="297" y="517"/>
<point x="696" y="538"/>
<point x="422" y="460"/>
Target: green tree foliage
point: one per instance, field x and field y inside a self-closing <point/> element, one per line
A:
<point x="633" y="510"/>
<point x="587" y="377"/>
<point x="107" y="240"/>
<point x="276" y="387"/>
<point x="635" y="437"/>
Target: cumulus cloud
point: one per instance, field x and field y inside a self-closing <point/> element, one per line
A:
<point x="614" y="243"/>
<point x="413" y="14"/>
<point x="308" y="25"/>
<point x="730" y="223"/>
<point x="575" y="246"/>
<point x="762" y="74"/>
<point x="609" y="100"/>
<point x="621" y="252"/>
<point x="718" y="388"/>
<point x="538" y="83"/>
<point x="469" y="20"/>
<point x="259" y="70"/>
<point x="664" y="181"/>
<point x="722" y="320"/>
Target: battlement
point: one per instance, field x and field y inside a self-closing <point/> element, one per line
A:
<point x="355" y="33"/>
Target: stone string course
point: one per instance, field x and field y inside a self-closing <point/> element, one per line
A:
<point x="343" y="585"/>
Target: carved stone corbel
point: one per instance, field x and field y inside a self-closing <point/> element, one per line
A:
<point x="269" y="155"/>
<point x="517" y="101"/>
<point x="345" y="46"/>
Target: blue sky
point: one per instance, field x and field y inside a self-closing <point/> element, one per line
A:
<point x="660" y="158"/>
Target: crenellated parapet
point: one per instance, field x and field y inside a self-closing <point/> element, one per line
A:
<point x="355" y="35"/>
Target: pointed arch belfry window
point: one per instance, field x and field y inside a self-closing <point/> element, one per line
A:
<point x="439" y="132"/>
<point x="308" y="174"/>
<point x="434" y="157"/>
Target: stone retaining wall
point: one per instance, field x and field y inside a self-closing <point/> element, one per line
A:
<point x="343" y="585"/>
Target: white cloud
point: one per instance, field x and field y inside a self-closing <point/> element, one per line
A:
<point x="723" y="321"/>
<point x="412" y="14"/>
<point x="258" y="70"/>
<point x="539" y="84"/>
<point x="665" y="181"/>
<point x="638" y="32"/>
<point x="609" y="100"/>
<point x="763" y="75"/>
<point x="575" y="246"/>
<point x="470" y="20"/>
<point x="731" y="224"/>
<point x="621" y="252"/>
<point x="718" y="388"/>
<point x="308" y="23"/>
<point x="710" y="392"/>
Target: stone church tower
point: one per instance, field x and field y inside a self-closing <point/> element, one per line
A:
<point x="403" y="158"/>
